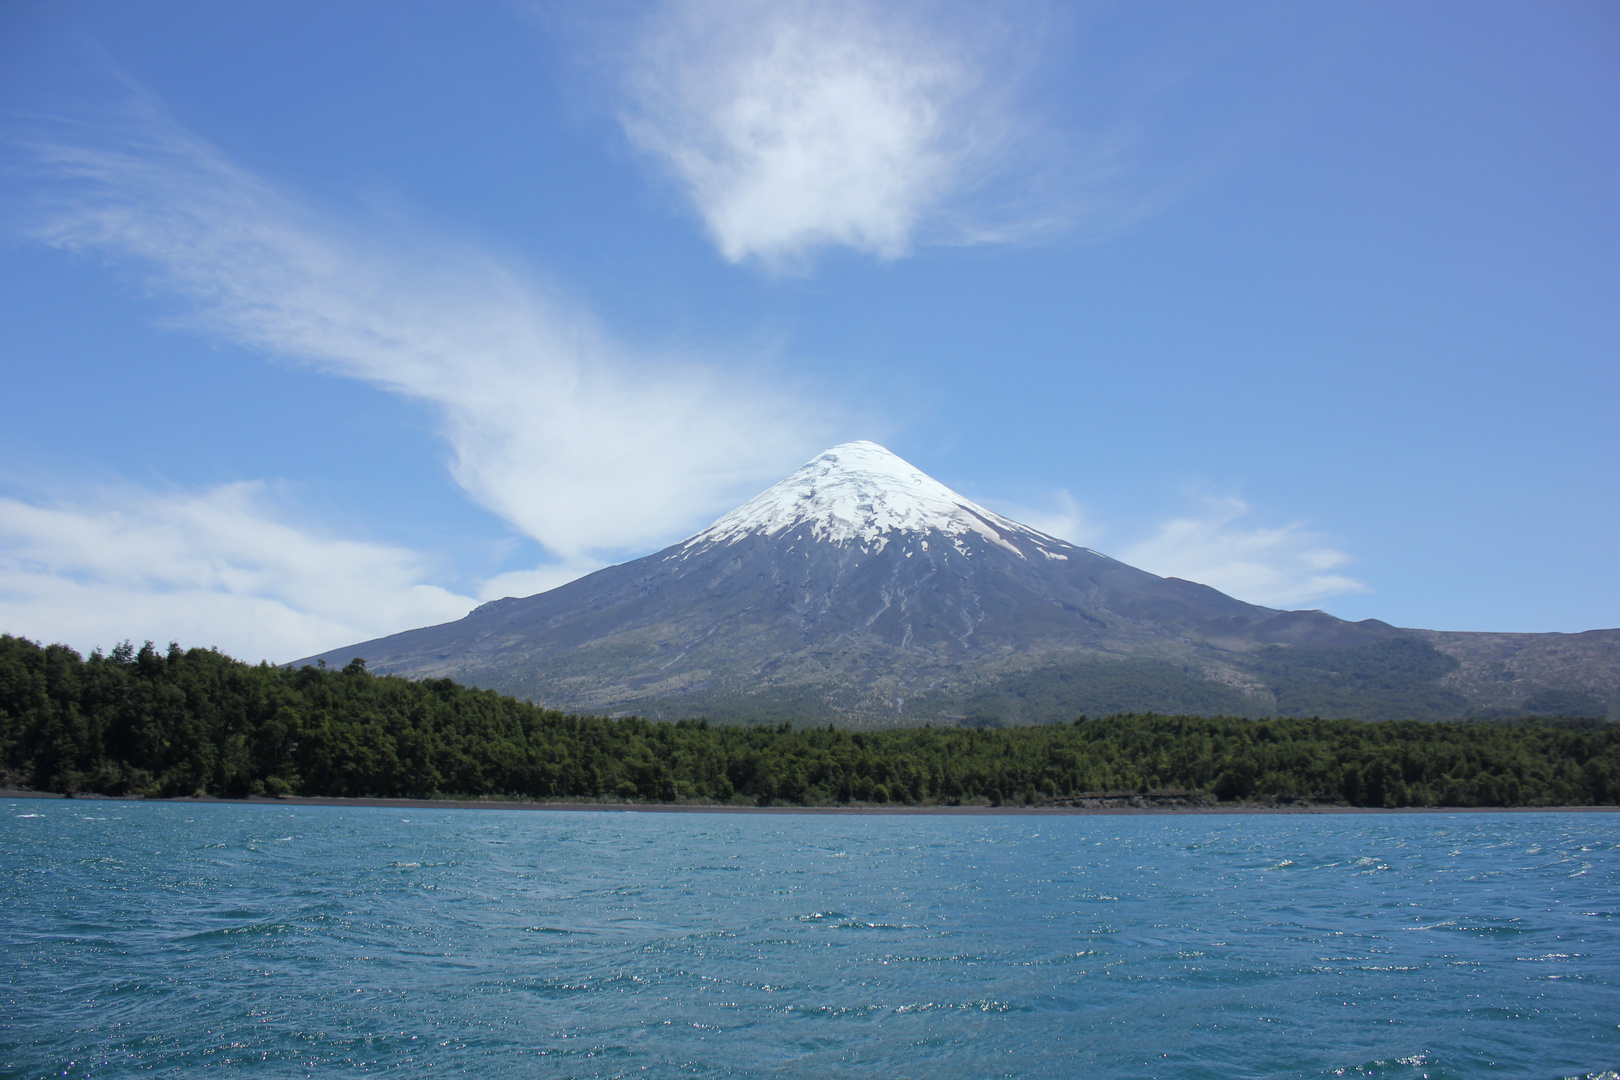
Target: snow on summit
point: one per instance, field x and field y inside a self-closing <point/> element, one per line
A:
<point x="861" y="492"/>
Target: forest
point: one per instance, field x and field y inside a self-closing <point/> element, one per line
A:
<point x="184" y="722"/>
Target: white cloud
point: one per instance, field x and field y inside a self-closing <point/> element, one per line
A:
<point x="578" y="443"/>
<point x="220" y="567"/>
<point x="882" y="125"/>
<point x="795" y="124"/>
<point x="1278" y="567"/>
<point x="538" y="580"/>
<point x="1062" y="517"/>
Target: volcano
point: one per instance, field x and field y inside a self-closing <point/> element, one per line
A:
<point x="861" y="590"/>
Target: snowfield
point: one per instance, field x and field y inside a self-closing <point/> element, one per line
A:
<point x="860" y="492"/>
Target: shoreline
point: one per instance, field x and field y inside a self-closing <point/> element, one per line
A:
<point x="891" y="811"/>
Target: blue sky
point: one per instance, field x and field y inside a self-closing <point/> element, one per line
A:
<point x="325" y="320"/>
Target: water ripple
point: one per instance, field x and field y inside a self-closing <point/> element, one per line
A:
<point x="163" y="938"/>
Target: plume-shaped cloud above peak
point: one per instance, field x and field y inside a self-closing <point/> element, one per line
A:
<point x="578" y="441"/>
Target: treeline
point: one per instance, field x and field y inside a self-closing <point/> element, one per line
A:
<point x="184" y="722"/>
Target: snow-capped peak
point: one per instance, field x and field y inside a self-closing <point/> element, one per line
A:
<point x="860" y="492"/>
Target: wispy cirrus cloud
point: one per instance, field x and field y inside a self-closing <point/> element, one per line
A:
<point x="1284" y="566"/>
<point x="580" y="442"/>
<point x="794" y="125"/>
<point x="219" y="567"/>
<point x="1060" y="516"/>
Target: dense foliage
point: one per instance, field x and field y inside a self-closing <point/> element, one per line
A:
<point x="185" y="722"/>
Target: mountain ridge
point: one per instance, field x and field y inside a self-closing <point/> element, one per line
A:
<point x="859" y="584"/>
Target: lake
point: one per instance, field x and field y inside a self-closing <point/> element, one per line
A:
<point x="163" y="938"/>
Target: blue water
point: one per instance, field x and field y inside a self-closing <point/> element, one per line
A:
<point x="161" y="938"/>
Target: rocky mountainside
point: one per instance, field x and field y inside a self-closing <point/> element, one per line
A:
<point x="863" y="590"/>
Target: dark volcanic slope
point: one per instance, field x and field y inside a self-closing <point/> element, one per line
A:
<point x="855" y="585"/>
<point x="1546" y="674"/>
